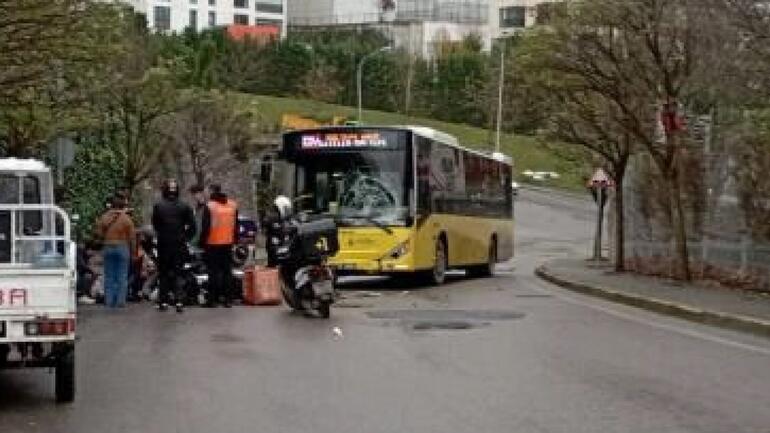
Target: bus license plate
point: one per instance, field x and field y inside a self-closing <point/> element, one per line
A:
<point x="322" y="288"/>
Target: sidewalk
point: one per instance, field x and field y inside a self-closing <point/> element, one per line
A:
<point x="727" y="308"/>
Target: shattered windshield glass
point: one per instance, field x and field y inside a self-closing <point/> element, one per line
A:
<point x="362" y="176"/>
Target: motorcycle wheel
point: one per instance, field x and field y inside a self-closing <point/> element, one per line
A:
<point x="288" y="296"/>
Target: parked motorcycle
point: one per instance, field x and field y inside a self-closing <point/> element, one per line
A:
<point x="303" y="246"/>
<point x="193" y="275"/>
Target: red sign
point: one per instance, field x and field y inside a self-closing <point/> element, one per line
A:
<point x="600" y="179"/>
<point x="13" y="297"/>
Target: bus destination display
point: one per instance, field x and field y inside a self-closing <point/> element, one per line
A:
<point x="344" y="140"/>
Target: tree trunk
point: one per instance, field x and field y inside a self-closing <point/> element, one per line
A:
<point x="680" y="229"/>
<point x="620" y="230"/>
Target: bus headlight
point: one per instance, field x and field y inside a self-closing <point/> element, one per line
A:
<point x="399" y="251"/>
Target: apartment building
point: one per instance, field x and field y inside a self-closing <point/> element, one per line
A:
<point x="418" y="25"/>
<point x="508" y="16"/>
<point x="177" y="15"/>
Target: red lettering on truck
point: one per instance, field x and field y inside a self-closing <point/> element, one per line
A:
<point x="13" y="297"/>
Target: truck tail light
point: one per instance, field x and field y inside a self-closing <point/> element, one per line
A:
<point x="49" y="327"/>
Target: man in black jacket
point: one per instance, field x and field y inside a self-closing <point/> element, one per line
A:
<point x="174" y="226"/>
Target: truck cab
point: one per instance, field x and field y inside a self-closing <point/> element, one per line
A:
<point x="37" y="275"/>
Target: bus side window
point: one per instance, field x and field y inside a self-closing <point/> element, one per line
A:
<point x="424" y="199"/>
<point x="33" y="220"/>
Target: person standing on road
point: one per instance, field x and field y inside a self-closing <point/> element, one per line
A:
<point x="174" y="226"/>
<point x="117" y="230"/>
<point x="86" y="276"/>
<point x="218" y="235"/>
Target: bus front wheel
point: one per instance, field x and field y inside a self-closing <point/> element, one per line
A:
<point x="437" y="275"/>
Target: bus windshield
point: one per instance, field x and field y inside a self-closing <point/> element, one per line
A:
<point x="362" y="176"/>
<point x="359" y="187"/>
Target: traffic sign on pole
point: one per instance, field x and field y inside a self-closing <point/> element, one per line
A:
<point x="600" y="179"/>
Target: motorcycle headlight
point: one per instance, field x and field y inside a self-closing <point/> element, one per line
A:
<point x="399" y="251"/>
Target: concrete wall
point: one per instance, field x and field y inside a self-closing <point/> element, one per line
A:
<point x="421" y="38"/>
<point x="302" y="9"/>
<point x="357" y="11"/>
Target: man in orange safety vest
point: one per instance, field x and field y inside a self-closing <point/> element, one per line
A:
<point x="219" y="232"/>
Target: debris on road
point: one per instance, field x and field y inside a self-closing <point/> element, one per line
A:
<point x="337" y="332"/>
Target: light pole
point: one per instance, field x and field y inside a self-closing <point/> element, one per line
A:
<point x="360" y="74"/>
<point x="500" y="84"/>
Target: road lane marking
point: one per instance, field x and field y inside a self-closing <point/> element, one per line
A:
<point x="541" y="287"/>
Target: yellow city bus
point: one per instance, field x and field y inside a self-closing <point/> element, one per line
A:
<point x="406" y="199"/>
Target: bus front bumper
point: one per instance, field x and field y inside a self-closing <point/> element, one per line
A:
<point x="370" y="267"/>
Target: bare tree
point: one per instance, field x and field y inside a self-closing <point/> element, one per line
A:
<point x="212" y="132"/>
<point x="640" y="60"/>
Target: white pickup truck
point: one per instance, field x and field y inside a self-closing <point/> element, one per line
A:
<point x="37" y="276"/>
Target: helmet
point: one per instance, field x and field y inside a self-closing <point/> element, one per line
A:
<point x="170" y="189"/>
<point x="240" y="254"/>
<point x="283" y="205"/>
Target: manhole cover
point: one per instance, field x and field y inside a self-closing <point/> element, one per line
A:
<point x="444" y="325"/>
<point x="443" y="320"/>
<point x="445" y="315"/>
<point x="226" y="338"/>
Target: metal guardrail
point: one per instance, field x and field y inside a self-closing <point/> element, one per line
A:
<point x="48" y="234"/>
<point x="458" y="15"/>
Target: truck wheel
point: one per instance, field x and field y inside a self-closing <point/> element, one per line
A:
<point x="324" y="309"/>
<point x="65" y="377"/>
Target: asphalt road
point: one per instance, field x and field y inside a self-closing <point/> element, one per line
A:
<point x="509" y="354"/>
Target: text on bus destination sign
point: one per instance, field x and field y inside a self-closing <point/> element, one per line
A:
<point x="343" y="140"/>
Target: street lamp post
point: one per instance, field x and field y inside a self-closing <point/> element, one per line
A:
<point x="500" y="85"/>
<point x="360" y="74"/>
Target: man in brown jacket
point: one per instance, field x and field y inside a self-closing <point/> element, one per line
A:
<point x="117" y="230"/>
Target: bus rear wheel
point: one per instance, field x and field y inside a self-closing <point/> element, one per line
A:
<point x="487" y="269"/>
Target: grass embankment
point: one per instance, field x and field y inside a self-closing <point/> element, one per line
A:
<point x="528" y="153"/>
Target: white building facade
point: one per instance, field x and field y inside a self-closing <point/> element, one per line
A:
<point x="418" y="25"/>
<point x="177" y="15"/>
<point x="506" y="17"/>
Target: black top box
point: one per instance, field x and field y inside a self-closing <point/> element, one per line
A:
<point x="317" y="238"/>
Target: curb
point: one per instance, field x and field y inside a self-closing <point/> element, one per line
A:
<point x="714" y="318"/>
<point x="552" y="190"/>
